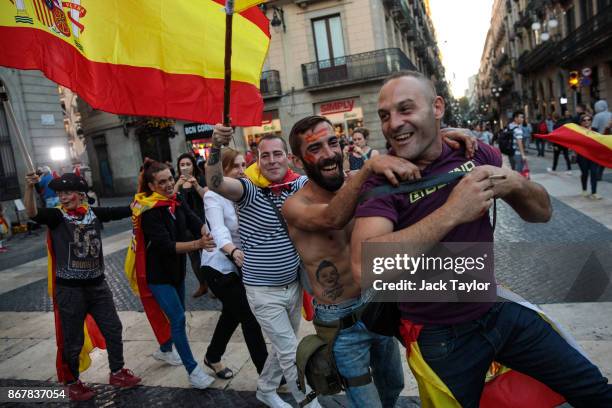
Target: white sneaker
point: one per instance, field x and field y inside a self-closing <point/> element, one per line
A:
<point x="584" y="193"/>
<point x="199" y="379"/>
<point x="548" y="169"/>
<point x="271" y="399"/>
<point x="569" y="172"/>
<point x="168" y="357"/>
<point x="595" y="196"/>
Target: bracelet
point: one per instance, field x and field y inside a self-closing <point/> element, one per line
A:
<point x="232" y="253"/>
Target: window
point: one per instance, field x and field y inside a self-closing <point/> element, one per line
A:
<point x="586" y="10"/>
<point x="329" y="42"/>
<point x="570" y="20"/>
<point x="9" y="185"/>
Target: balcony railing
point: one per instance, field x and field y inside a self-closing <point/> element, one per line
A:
<point x="543" y="54"/>
<point x="592" y="35"/>
<point x="270" y="85"/>
<point x="356" y="67"/>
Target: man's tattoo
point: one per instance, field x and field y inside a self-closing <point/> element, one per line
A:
<point x="213" y="158"/>
<point x="216" y="180"/>
<point x="327" y="275"/>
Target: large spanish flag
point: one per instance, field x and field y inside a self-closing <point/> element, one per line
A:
<point x="134" y="57"/>
<point x="587" y="143"/>
<point x="503" y="387"/>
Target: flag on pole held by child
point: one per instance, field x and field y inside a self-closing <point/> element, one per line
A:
<point x="154" y="58"/>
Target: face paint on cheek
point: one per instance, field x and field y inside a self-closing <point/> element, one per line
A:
<point x="309" y="158"/>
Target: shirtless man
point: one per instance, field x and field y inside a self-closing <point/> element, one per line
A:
<point x="323" y="245"/>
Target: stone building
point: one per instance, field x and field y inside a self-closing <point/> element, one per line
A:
<point x="532" y="48"/>
<point x="38" y="111"/>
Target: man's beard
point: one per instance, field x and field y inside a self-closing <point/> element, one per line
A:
<point x="332" y="183"/>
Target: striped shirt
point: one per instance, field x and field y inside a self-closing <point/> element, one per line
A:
<point x="270" y="259"/>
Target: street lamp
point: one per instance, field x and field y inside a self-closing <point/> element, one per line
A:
<point x="536" y="26"/>
<point x="57" y="153"/>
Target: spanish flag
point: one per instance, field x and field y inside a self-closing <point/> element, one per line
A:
<point x="92" y="334"/>
<point x="136" y="269"/>
<point x="134" y="57"/>
<point x="504" y="388"/>
<point x="587" y="143"/>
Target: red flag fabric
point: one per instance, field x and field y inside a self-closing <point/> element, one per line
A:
<point x="587" y="143"/>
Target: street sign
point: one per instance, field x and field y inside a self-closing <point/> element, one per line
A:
<point x="586" y="72"/>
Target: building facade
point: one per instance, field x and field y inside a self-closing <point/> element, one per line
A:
<point x="533" y="47"/>
<point x="36" y="103"/>
<point x="330" y="58"/>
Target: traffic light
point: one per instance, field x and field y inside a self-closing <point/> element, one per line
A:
<point x="574" y="80"/>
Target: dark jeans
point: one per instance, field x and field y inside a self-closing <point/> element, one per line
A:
<point x="520" y="339"/>
<point x="557" y="150"/>
<point x="74" y="303"/>
<point x="588" y="167"/>
<point x="230" y="291"/>
<point x="540" y="144"/>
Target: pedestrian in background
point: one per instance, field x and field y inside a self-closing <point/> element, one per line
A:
<point x="601" y="124"/>
<point x="78" y="287"/>
<point x="164" y="222"/>
<point x="356" y="154"/>
<point x="47" y="194"/>
<point x="558" y="149"/>
<point x="223" y="275"/>
<point x="542" y="128"/>
<point x="588" y="167"/>
<point x="189" y="186"/>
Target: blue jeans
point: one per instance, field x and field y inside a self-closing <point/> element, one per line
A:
<point x="172" y="302"/>
<point x="520" y="339"/>
<point x="516" y="162"/>
<point x="356" y="350"/>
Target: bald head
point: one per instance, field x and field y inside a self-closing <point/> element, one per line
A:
<point x="428" y="86"/>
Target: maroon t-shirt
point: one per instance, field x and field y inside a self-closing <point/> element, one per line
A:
<point x="407" y="209"/>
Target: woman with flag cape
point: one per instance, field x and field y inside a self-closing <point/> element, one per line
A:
<point x="85" y="314"/>
<point x="156" y="263"/>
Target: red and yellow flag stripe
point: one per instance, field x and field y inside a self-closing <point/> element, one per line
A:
<point x="154" y="57"/>
<point x="587" y="143"/>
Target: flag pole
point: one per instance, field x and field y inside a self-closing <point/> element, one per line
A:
<point x="11" y="116"/>
<point x="229" y="14"/>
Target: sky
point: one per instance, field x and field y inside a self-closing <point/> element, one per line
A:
<point x="461" y="31"/>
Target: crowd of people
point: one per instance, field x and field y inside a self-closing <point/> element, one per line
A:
<point x="523" y="134"/>
<point x="258" y="236"/>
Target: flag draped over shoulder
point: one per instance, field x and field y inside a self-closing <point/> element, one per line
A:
<point x="587" y="143"/>
<point x="504" y="388"/>
<point x="93" y="336"/>
<point x="133" y="57"/>
<point x="136" y="269"/>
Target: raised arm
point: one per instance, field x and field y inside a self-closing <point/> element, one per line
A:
<point x="226" y="186"/>
<point x="29" y="199"/>
<point x="335" y="215"/>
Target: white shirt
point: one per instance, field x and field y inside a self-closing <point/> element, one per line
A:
<point x="223" y="224"/>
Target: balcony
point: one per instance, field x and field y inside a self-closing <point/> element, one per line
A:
<point x="354" y="68"/>
<point x="591" y="36"/>
<point x="269" y="85"/>
<point x="501" y="60"/>
<point x="543" y="54"/>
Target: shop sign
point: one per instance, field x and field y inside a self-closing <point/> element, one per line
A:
<point x="344" y="105"/>
<point x="197" y="131"/>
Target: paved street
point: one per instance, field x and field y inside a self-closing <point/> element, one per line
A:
<point x="566" y="260"/>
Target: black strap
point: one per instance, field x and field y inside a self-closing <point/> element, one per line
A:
<point x="410" y="186"/>
<point x="358" y="381"/>
<point x="266" y="193"/>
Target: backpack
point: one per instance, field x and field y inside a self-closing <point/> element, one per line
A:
<point x="506" y="141"/>
<point x="543" y="128"/>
